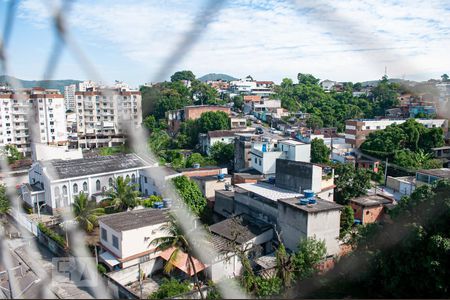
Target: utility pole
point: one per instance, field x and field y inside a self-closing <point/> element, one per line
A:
<point x="385" y="171"/>
<point x="140" y="281"/>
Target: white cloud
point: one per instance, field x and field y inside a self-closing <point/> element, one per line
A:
<point x="351" y="40"/>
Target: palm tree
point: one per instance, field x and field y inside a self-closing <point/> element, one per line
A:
<point x="176" y="239"/>
<point x="123" y="194"/>
<point x="86" y="213"/>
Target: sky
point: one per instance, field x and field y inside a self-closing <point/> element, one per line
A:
<point x="147" y="41"/>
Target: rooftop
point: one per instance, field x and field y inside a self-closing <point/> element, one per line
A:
<point x="224" y="133"/>
<point x="93" y="165"/>
<point x="240" y="229"/>
<point x="371" y="200"/>
<point x="320" y="206"/>
<point x="201" y="168"/>
<point x="225" y="193"/>
<point x="135" y="219"/>
<point x="441" y="173"/>
<point x="210" y="177"/>
<point x="268" y="191"/>
<point x="292" y="142"/>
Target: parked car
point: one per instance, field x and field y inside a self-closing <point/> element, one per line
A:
<point x="259" y="130"/>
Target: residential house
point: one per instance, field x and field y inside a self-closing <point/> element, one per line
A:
<point x="242" y="233"/>
<point x="203" y="171"/>
<point x="192" y="112"/>
<point x="207" y="140"/>
<point x="125" y="238"/>
<point x="370" y="208"/>
<point x="264" y="154"/>
<point x="238" y="123"/>
<point x="431" y="175"/>
<point x="210" y="184"/>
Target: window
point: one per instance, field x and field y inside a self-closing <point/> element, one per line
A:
<point x="57" y="191"/>
<point x="145" y="179"/>
<point x="256" y="160"/>
<point x="133" y="178"/>
<point x="98" y="185"/>
<point x="110" y="181"/>
<point x="104" y="235"/>
<point x="367" y="127"/>
<point x="64" y="190"/>
<point x="127" y="178"/>
<point x="75" y="188"/>
<point x="85" y="188"/>
<point x="115" y="241"/>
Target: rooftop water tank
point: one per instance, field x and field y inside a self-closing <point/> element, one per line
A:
<point x="264" y="148"/>
<point x="308" y="193"/>
<point x="312" y="201"/>
<point x="221" y="177"/>
<point x="304" y="201"/>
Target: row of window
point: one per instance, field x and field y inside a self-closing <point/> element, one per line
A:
<point x="115" y="240"/>
<point x="97" y="185"/>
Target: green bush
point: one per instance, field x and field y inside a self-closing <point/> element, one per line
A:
<point x="101" y="269"/>
<point x="52" y="235"/>
<point x="151" y="200"/>
<point x="170" y="288"/>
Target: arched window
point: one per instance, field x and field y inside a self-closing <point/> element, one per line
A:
<point x="133" y="178"/>
<point x="110" y="181"/>
<point x="64" y="190"/>
<point x="57" y="191"/>
<point x="85" y="188"/>
<point x="127" y="178"/>
<point x="98" y="185"/>
<point x="75" y="188"/>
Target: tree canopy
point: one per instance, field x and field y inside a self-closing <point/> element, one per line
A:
<point x="222" y="153"/>
<point x="190" y="193"/>
<point x="319" y="151"/>
<point x="334" y="108"/>
<point x="182" y="75"/>
<point x="407" y="144"/>
<point x="350" y="183"/>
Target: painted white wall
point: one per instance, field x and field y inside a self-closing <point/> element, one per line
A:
<point x="325" y="226"/>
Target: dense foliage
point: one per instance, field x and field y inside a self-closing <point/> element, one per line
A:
<point x="347" y="220"/>
<point x="5" y="205"/>
<point x="350" y="183"/>
<point x="333" y="109"/>
<point x="190" y="193"/>
<point x="320" y="153"/>
<point x="86" y="212"/>
<point x="170" y="288"/>
<point x="12" y="153"/>
<point x="408" y="258"/>
<point x="407" y="145"/>
<point x="52" y="235"/>
<point x="222" y="153"/>
<point x="123" y="194"/>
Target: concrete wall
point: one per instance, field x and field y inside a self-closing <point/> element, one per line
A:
<point x="325" y="226"/>
<point x="293" y="224"/>
<point x="258" y="208"/>
<point x="265" y="162"/>
<point x="131" y="274"/>
<point x="295" y="175"/>
<point x="223" y="205"/>
<point x="195" y="112"/>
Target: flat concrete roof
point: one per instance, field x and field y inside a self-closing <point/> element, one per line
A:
<point x="442" y="172"/>
<point x="292" y="142"/>
<point x="268" y="191"/>
<point x="135" y="219"/>
<point x="371" y="200"/>
<point x="320" y="206"/>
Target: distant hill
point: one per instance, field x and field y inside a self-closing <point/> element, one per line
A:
<point x="214" y="76"/>
<point x="49" y="84"/>
<point x="395" y="80"/>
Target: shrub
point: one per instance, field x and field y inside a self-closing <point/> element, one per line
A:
<point x="170" y="288"/>
<point x="52" y="235"/>
<point x="101" y="269"/>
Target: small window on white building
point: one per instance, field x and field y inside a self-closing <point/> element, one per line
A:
<point x="98" y="185"/>
<point x="85" y="187"/>
<point x="75" y="188"/>
<point x="133" y="178"/>
<point x="115" y="241"/>
<point x="110" y="181"/>
<point x="64" y="190"/>
<point x="104" y="235"/>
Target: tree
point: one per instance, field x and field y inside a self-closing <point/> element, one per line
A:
<point x="310" y="253"/>
<point x="12" y="153"/>
<point x="86" y="213"/>
<point x="444" y="78"/>
<point x="190" y="193"/>
<point x="203" y="93"/>
<point x="238" y="102"/>
<point x="314" y="122"/>
<point x="385" y="95"/>
<point x="199" y="159"/>
<point x="182" y="75"/>
<point x="350" y="183"/>
<point x="177" y="240"/>
<point x="213" y="120"/>
<point x="123" y="194"/>
<point x="150" y="122"/>
<point x="170" y="288"/>
<point x="222" y="153"/>
<point x="307" y="79"/>
<point x="347" y="220"/>
<point x="319" y="151"/>
<point x="5" y="205"/>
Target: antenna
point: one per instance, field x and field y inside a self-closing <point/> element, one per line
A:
<point x="385" y="70"/>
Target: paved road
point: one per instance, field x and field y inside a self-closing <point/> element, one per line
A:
<point x="42" y="262"/>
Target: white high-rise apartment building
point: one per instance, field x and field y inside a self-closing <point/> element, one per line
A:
<point x="46" y="109"/>
<point x="104" y="114"/>
<point x="69" y="96"/>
